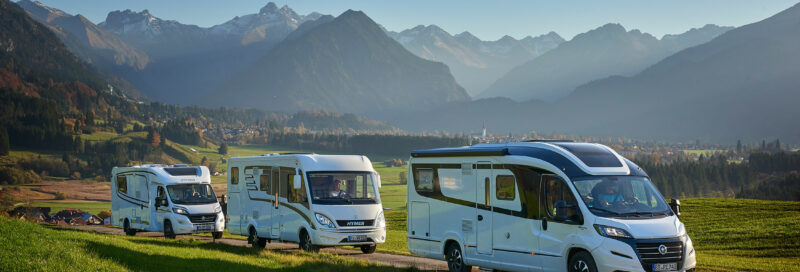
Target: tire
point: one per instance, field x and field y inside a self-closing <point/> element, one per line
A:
<point x="368" y="249"/>
<point x="455" y="259"/>
<point x="169" y="233"/>
<point x="305" y="243"/>
<point x="127" y="228"/>
<point x="216" y="234"/>
<point x="254" y="240"/>
<point x="581" y="261"/>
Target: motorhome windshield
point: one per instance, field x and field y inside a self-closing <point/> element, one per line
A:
<point x="342" y="188"/>
<point x="621" y="196"/>
<point x="189" y="194"/>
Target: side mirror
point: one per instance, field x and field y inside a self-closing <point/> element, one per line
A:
<point x="297" y="182"/>
<point x="567" y="213"/>
<point x="675" y="205"/>
<point x="161" y="202"/>
<point x="378" y="180"/>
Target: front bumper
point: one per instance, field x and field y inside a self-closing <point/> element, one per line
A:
<point x="341" y="237"/>
<point x="623" y="255"/>
<point x="182" y="225"/>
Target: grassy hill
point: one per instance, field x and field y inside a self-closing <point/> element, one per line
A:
<point x="31" y="247"/>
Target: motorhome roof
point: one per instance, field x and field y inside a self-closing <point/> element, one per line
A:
<point x="317" y="162"/>
<point x="178" y="173"/>
<point x="575" y="159"/>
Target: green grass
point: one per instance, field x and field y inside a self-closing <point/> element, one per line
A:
<point x="743" y="234"/>
<point x="395" y="233"/>
<point x="90" y="207"/>
<point x="31" y="247"/>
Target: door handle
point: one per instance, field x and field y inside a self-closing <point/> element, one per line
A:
<point x="544" y="223"/>
<point x="480" y="217"/>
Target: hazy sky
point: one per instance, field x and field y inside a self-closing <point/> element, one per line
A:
<point x="489" y="20"/>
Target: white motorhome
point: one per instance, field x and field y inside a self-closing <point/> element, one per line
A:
<point x="174" y="199"/>
<point x="541" y="206"/>
<point x="314" y="200"/>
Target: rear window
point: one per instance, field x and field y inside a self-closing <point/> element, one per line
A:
<point x="592" y="155"/>
<point x="182" y="171"/>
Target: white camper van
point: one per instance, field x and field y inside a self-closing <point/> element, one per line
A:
<point x="542" y="206"/>
<point x="174" y="199"/>
<point x="314" y="200"/>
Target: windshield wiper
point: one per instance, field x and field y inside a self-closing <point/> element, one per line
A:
<point x="640" y="214"/>
<point x="604" y="210"/>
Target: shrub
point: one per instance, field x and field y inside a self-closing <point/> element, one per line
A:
<point x="61" y="196"/>
<point x="104" y="214"/>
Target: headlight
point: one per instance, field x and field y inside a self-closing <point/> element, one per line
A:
<point x="325" y="221"/>
<point x="381" y="221"/>
<point x="218" y="209"/>
<point x="180" y="210"/>
<point x="612" y="232"/>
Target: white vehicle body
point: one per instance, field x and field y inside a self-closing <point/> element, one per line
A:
<point x="264" y="198"/>
<point x="517" y="207"/>
<point x="148" y="197"/>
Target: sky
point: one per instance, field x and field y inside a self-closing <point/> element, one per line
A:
<point x="488" y="20"/>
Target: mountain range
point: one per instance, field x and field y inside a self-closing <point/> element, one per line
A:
<point x="347" y="64"/>
<point x="606" y="51"/>
<point x="474" y="63"/>
<point x="742" y="84"/>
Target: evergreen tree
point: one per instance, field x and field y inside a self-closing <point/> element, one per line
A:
<point x="5" y="146"/>
<point x="223" y="149"/>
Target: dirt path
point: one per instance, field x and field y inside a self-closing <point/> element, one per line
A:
<point x="399" y="261"/>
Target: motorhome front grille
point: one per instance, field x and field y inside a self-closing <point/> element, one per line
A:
<point x="202" y="218"/>
<point x="649" y="253"/>
<point x="355" y="223"/>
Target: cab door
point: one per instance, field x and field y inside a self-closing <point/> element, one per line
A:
<point x="556" y="195"/>
<point x="483" y="211"/>
<point x="159" y="211"/>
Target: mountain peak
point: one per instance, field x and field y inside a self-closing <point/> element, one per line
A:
<point x="611" y="27"/>
<point x="353" y="13"/>
<point x="271" y="7"/>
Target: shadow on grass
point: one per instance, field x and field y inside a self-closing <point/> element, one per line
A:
<point x="139" y="261"/>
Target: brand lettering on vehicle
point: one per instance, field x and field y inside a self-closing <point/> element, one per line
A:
<point x="355" y="223"/>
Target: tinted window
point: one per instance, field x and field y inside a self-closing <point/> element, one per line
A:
<point x="424" y="180"/>
<point x="263" y="182"/>
<point x="234" y="175"/>
<point x="504" y="187"/>
<point x="298" y="195"/>
<point x="557" y="196"/>
<point x="592" y="155"/>
<point x="182" y="171"/>
<point x="122" y="184"/>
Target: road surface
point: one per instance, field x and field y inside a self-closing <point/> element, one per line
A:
<point x="399" y="261"/>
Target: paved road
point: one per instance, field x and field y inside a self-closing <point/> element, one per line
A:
<point x="399" y="261"/>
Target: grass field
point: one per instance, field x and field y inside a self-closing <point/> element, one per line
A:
<point x="90" y="207"/>
<point x="31" y="247"/>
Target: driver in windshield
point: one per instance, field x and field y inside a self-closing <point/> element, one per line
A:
<point x="607" y="193"/>
<point x="335" y="189"/>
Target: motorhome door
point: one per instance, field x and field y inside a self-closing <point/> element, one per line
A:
<point x="484" y="208"/>
<point x="275" y="218"/>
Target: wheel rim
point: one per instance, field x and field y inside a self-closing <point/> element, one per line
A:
<point x="580" y="266"/>
<point x="252" y="237"/>
<point x="454" y="260"/>
<point x="306" y="242"/>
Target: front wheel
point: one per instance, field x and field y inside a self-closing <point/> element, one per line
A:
<point x="216" y="234"/>
<point x="169" y="233"/>
<point x="254" y="240"/>
<point x="455" y="259"/>
<point x="368" y="249"/>
<point x="305" y="243"/>
<point x="126" y="227"/>
<point x="581" y="262"/>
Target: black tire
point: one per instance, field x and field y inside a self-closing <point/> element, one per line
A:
<point x="216" y="234"/>
<point x="368" y="249"/>
<point x="305" y="243"/>
<point x="169" y="233"/>
<point x="581" y="261"/>
<point x="455" y="259"/>
<point x="254" y="240"/>
<point x="126" y="227"/>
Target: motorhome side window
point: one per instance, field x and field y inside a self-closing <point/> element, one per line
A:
<point x="557" y="191"/>
<point x="122" y="184"/>
<point x="263" y="182"/>
<point x="505" y="187"/>
<point x="424" y="180"/>
<point x="286" y="176"/>
<point x="234" y="175"/>
<point x="299" y="195"/>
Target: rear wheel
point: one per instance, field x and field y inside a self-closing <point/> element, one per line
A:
<point x="305" y="242"/>
<point x="581" y="262"/>
<point x="126" y="227"/>
<point x="169" y="233"/>
<point x="368" y="249"/>
<point x="216" y="234"/>
<point x="254" y="240"/>
<point x="455" y="259"/>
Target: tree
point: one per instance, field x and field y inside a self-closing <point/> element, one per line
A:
<point x="223" y="148"/>
<point x="153" y="138"/>
<point x="403" y="177"/>
<point x="5" y="146"/>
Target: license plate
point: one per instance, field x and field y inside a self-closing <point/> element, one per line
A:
<point x="357" y="238"/>
<point x="204" y="228"/>
<point x="665" y="267"/>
